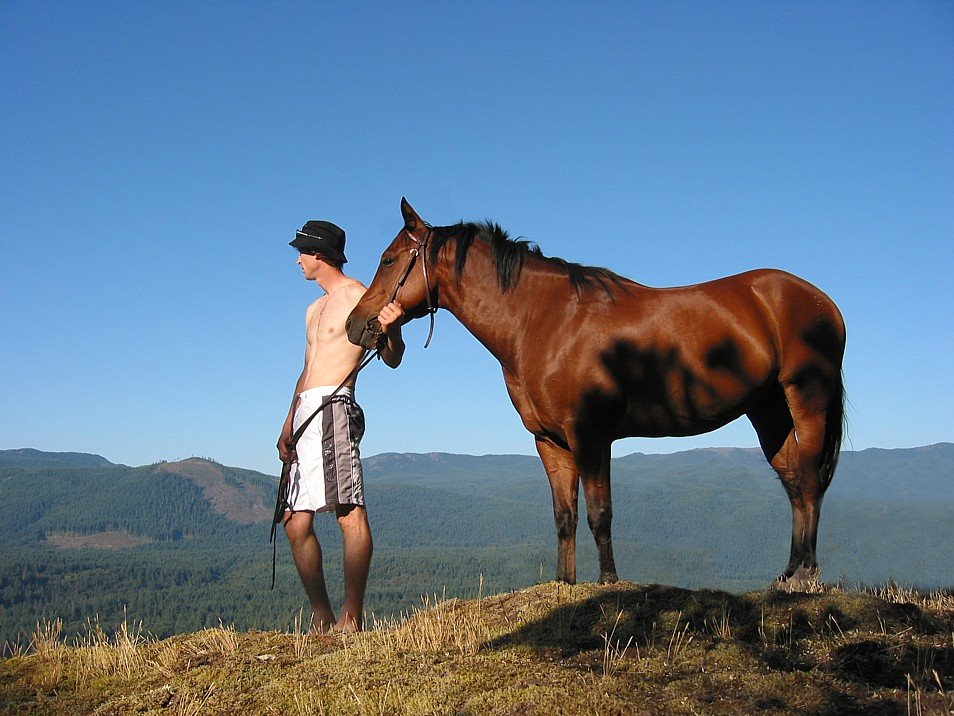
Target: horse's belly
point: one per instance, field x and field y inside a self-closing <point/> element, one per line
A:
<point x="678" y="405"/>
<point x="662" y="421"/>
<point x="659" y="387"/>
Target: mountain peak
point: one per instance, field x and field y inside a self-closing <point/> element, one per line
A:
<point x="227" y="491"/>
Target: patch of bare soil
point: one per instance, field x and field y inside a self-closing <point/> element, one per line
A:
<point x="99" y="540"/>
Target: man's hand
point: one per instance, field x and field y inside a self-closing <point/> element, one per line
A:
<point x="391" y="344"/>
<point x="391" y="316"/>
<point x="285" y="452"/>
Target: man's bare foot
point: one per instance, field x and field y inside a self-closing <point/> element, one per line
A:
<point x="322" y="626"/>
<point x="347" y="625"/>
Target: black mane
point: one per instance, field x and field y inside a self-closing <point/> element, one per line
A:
<point x="509" y="255"/>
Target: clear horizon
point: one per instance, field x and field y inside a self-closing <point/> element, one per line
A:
<point x="275" y="471"/>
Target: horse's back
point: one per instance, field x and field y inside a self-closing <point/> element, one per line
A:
<point x="774" y="288"/>
<point x="769" y="304"/>
<point x="781" y="288"/>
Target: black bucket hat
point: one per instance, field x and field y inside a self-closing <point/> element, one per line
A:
<point x="321" y="237"/>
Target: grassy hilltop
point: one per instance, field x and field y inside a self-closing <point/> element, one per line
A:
<point x="548" y="649"/>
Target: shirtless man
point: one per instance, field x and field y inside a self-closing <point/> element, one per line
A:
<point x="326" y="470"/>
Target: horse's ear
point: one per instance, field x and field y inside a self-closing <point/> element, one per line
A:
<point x="412" y="222"/>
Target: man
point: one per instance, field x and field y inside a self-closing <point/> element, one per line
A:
<point x="326" y="474"/>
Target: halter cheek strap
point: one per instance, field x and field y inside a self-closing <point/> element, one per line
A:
<point x="420" y="250"/>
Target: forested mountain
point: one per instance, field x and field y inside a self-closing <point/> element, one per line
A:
<point x="28" y="457"/>
<point x="182" y="544"/>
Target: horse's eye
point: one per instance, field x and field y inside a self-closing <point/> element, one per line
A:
<point x="387" y="261"/>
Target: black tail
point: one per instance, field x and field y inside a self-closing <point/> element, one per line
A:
<point x="834" y="429"/>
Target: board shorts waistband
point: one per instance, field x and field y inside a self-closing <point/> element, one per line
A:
<point x="323" y="391"/>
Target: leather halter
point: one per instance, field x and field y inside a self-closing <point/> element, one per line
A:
<point x="420" y="249"/>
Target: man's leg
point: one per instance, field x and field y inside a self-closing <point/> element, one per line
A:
<point x="306" y="551"/>
<point x="356" y="541"/>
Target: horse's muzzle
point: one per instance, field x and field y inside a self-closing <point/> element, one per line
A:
<point x="363" y="334"/>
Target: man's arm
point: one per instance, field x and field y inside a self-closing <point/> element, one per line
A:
<point x="391" y="317"/>
<point x="285" y="452"/>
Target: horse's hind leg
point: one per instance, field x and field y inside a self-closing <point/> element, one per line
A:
<point x="792" y="436"/>
<point x="564" y="484"/>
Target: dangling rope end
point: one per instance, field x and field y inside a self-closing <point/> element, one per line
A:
<point x="430" y="330"/>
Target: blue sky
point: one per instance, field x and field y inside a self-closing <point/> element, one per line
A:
<point x="157" y="157"/>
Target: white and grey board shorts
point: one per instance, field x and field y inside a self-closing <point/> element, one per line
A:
<point x="328" y="471"/>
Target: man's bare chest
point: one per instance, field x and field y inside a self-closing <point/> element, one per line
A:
<point x="328" y="317"/>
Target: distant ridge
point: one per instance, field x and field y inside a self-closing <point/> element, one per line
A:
<point x="29" y="457"/>
<point x="441" y="461"/>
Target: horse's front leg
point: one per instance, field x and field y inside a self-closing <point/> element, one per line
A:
<point x="564" y="484"/>
<point x="595" y="475"/>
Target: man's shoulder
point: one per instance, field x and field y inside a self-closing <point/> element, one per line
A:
<point x="313" y="306"/>
<point x="353" y="292"/>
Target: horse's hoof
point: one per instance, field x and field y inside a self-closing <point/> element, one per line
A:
<point x="608" y="578"/>
<point x="803" y="579"/>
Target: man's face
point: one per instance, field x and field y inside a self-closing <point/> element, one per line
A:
<point x="310" y="265"/>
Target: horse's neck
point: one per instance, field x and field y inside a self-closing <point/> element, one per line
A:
<point x="498" y="319"/>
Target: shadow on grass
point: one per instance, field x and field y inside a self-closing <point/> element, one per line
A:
<point x="641" y="612"/>
<point x="856" y="639"/>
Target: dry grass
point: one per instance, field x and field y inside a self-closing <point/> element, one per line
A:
<point x="551" y="649"/>
<point x="438" y="626"/>
<point x="50" y="653"/>
<point x="99" y="655"/>
<point x="721" y="626"/>
<point x="936" y="601"/>
<point x="678" y="642"/>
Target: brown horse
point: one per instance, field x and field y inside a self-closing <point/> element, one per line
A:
<point x="589" y="357"/>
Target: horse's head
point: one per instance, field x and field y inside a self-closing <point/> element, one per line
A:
<point x="402" y="275"/>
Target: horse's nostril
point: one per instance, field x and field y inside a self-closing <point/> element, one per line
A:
<point x="348" y="324"/>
